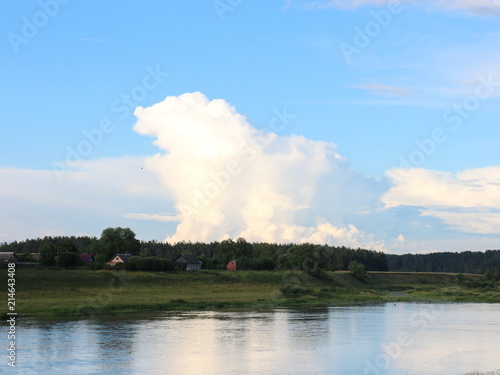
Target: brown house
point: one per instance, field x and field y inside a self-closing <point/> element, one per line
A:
<point x="188" y="260"/>
<point x="8" y="257"/>
<point x="119" y="258"/>
<point x="231" y="266"/>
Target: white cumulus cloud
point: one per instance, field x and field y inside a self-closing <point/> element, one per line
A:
<point x="229" y="179"/>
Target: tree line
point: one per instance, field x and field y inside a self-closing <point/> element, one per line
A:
<point x="213" y="255"/>
<point x="464" y="262"/>
<point x="250" y="256"/>
<point x="81" y="244"/>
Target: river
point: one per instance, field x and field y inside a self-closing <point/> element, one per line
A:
<point x="389" y="339"/>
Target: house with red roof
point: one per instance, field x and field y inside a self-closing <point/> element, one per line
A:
<point x="87" y="258"/>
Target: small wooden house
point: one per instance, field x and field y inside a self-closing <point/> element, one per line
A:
<point x="188" y="260"/>
<point x="119" y="258"/>
<point x="87" y="258"/>
<point x="8" y="257"/>
<point x="231" y="266"/>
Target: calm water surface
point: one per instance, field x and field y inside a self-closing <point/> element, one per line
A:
<point x="388" y="339"/>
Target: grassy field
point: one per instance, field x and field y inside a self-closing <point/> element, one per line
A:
<point x="57" y="293"/>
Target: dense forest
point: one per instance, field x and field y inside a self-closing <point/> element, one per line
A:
<point x="463" y="262"/>
<point x="262" y="256"/>
<point x="214" y="255"/>
<point x="82" y="244"/>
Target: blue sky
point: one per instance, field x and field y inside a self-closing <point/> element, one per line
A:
<point x="420" y="91"/>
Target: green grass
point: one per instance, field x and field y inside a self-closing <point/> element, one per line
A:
<point x="57" y="293"/>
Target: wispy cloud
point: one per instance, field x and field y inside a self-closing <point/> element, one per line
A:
<point x="344" y="4"/>
<point x="153" y="217"/>
<point x="286" y="5"/>
<point x="379" y="89"/>
<point x="477" y="7"/>
<point x="487" y="35"/>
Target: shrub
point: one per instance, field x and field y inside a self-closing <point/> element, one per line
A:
<point x="294" y="291"/>
<point x="492" y="274"/>
<point x="168" y="265"/>
<point x="209" y="263"/>
<point x="26" y="257"/>
<point x="69" y="260"/>
<point x="94" y="266"/>
<point x="459" y="279"/>
<point x="48" y="252"/>
<point x="262" y="264"/>
<point x="139" y="263"/>
<point x="119" y="266"/>
<point x="357" y="270"/>
<point x="133" y="264"/>
<point x="488" y="281"/>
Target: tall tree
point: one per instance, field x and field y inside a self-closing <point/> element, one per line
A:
<point x="48" y="252"/>
<point x="116" y="240"/>
<point x="225" y="251"/>
<point x="66" y="246"/>
<point x="357" y="270"/>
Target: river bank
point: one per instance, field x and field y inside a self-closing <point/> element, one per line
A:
<point x="73" y="293"/>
